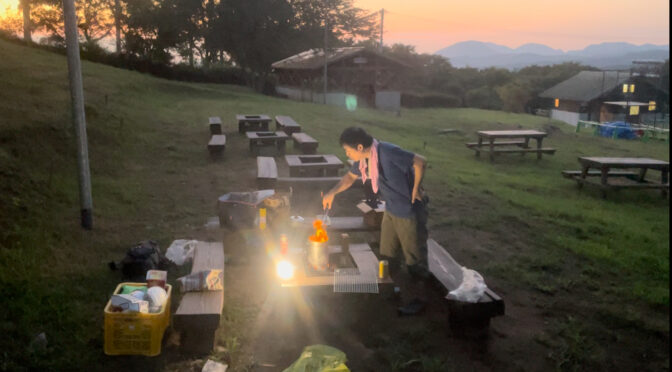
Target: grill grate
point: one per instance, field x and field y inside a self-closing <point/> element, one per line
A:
<point x="353" y="281"/>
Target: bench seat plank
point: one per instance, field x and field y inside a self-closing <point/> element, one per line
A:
<point x="545" y="150"/>
<point x="267" y="172"/>
<point x="449" y="273"/>
<point x="304" y="142"/>
<point x="500" y="143"/>
<point x="217" y="144"/>
<point x="286" y="124"/>
<point x="199" y="313"/>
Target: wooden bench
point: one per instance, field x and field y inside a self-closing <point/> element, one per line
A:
<point x="305" y="143"/>
<point x="287" y="125"/>
<point x="267" y="172"/>
<point x="449" y="273"/>
<point x="545" y="150"/>
<point x="215" y="124"/>
<point x="500" y="143"/>
<point x="217" y="145"/>
<point x="595" y="173"/>
<point x="198" y="315"/>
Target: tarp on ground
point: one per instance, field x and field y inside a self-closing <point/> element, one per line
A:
<point x="623" y="130"/>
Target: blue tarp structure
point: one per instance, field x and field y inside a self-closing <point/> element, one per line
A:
<point x="623" y="130"/>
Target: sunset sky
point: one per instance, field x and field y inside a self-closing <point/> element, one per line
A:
<point x="571" y="24"/>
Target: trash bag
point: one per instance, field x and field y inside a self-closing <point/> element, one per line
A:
<point x="471" y="289"/>
<point x="181" y="250"/>
<point x="319" y="358"/>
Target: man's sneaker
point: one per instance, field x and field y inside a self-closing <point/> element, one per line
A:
<point x="416" y="306"/>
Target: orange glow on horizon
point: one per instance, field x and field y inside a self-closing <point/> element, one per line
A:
<point x="11" y="4"/>
<point x="571" y="24"/>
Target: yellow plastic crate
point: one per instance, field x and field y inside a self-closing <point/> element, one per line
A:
<point x="135" y="333"/>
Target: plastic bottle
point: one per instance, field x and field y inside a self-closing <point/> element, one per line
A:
<point x="284" y="244"/>
<point x="262" y="218"/>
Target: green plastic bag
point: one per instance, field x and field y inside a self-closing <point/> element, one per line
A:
<point x="319" y="358"/>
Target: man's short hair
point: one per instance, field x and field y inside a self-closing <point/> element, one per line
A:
<point x="354" y="136"/>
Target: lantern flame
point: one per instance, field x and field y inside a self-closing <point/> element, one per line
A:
<point x="320" y="234"/>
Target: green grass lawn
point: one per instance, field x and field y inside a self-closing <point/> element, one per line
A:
<point x="151" y="179"/>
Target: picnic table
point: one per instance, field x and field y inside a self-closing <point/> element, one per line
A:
<point x="287" y="125"/>
<point x="313" y="165"/>
<point x="626" y="179"/>
<point x="252" y="122"/>
<point x="259" y="140"/>
<point x="509" y="141"/>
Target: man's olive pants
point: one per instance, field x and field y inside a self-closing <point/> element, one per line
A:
<point x="409" y="234"/>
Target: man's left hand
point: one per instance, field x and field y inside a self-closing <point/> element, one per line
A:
<point x="416" y="195"/>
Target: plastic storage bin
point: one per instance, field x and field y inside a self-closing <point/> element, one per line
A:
<point x="135" y="333"/>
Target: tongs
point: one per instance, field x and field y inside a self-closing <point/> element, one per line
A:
<point x="325" y="216"/>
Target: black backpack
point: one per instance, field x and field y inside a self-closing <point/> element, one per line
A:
<point x="139" y="259"/>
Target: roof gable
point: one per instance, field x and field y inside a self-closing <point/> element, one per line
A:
<point x="314" y="58"/>
<point x="586" y="85"/>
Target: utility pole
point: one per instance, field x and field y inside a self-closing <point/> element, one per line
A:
<point x="382" y="18"/>
<point x="117" y="25"/>
<point x="27" y="25"/>
<point x="326" y="25"/>
<point x="77" y="98"/>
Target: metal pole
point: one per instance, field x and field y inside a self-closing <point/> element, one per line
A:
<point x="326" y="25"/>
<point x="77" y="98"/>
<point x="382" y="18"/>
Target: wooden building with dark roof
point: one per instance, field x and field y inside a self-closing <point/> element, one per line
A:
<point x="598" y="96"/>
<point x="350" y="70"/>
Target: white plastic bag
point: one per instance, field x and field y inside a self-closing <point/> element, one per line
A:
<point x="181" y="250"/>
<point x="471" y="289"/>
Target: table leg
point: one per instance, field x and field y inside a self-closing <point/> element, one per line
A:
<point x="281" y="147"/>
<point x="241" y="125"/>
<point x="603" y="180"/>
<point x="642" y="174"/>
<point x="664" y="180"/>
<point x="492" y="149"/>
<point x="539" y="140"/>
<point x="478" y="147"/>
<point x="584" y="174"/>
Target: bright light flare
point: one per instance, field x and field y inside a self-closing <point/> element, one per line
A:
<point x="285" y="270"/>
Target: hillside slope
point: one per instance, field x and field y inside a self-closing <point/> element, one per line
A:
<point x="568" y="256"/>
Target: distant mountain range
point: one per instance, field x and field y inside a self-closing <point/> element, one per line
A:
<point x="605" y="55"/>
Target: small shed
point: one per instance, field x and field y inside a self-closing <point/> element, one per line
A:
<point x="357" y="71"/>
<point x="592" y="96"/>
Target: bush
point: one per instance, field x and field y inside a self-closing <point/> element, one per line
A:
<point x="484" y="98"/>
<point x="414" y="100"/>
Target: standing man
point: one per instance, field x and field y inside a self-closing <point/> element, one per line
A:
<point x="397" y="175"/>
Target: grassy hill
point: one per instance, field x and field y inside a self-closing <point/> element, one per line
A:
<point x="600" y="268"/>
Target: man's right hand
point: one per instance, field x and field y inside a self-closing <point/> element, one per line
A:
<point x="327" y="199"/>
